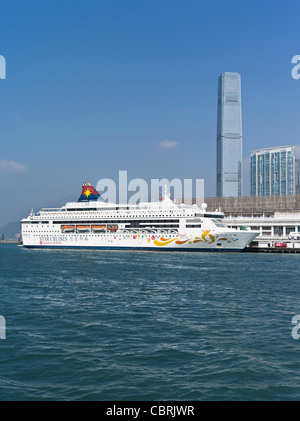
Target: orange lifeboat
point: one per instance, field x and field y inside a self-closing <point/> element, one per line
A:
<point x="112" y="228"/>
<point x="68" y="228"/>
<point x="99" y="228"/>
<point x="83" y="228"/>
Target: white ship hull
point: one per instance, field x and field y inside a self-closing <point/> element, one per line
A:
<point x="198" y="241"/>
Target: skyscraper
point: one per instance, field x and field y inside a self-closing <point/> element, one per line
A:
<point x="229" y="136"/>
<point x="273" y="171"/>
<point x="297" y="175"/>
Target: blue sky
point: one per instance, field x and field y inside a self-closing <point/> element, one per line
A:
<point x="94" y="87"/>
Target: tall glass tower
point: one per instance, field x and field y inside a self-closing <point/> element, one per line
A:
<point x="229" y="136"/>
<point x="273" y="171"/>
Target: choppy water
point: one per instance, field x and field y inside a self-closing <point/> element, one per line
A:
<point x="101" y="325"/>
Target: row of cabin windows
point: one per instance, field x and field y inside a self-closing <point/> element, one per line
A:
<point x="147" y="221"/>
<point x="139" y="215"/>
<point x="114" y="235"/>
<point x="119" y="221"/>
<point x="115" y="209"/>
<point x="135" y="223"/>
<point x="141" y="227"/>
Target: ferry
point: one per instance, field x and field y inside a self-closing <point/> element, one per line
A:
<point x="92" y="223"/>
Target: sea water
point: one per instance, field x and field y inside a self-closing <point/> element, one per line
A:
<point x="121" y="325"/>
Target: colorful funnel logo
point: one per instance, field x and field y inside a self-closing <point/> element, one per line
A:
<point x="88" y="193"/>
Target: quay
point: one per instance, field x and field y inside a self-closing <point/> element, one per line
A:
<point x="270" y="250"/>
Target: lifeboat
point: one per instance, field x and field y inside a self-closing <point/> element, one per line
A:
<point x="112" y="228"/>
<point x="83" y="228"/>
<point x="67" y="228"/>
<point x="99" y="228"/>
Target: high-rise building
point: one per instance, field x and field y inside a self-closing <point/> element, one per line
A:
<point x="273" y="171"/>
<point x="229" y="136"/>
<point x="297" y="175"/>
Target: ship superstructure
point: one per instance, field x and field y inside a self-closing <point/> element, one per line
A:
<point x="162" y="225"/>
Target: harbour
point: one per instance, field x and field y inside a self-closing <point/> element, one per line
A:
<point x="88" y="326"/>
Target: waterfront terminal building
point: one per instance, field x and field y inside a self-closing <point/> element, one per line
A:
<point x="276" y="217"/>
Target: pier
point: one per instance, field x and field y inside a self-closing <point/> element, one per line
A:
<point x="270" y="250"/>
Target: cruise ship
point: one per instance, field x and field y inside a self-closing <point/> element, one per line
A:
<point x="163" y="225"/>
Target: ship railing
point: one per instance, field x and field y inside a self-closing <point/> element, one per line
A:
<point x="51" y="210"/>
<point x="147" y="231"/>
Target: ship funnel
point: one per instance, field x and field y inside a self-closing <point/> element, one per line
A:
<point x="88" y="193"/>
